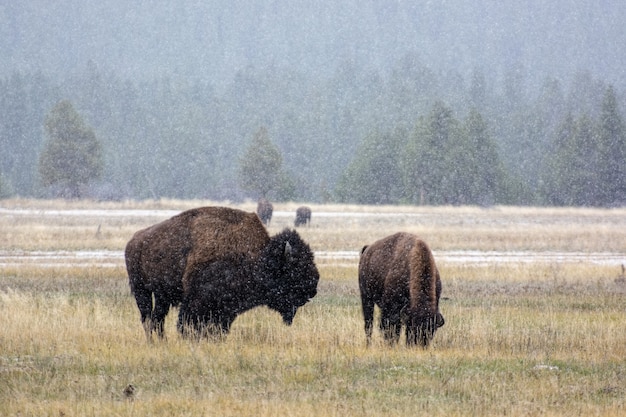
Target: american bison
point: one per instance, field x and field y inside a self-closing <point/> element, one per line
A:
<point x="283" y="277"/>
<point x="264" y="210"/>
<point x="159" y="258"/>
<point x="398" y="273"/>
<point x="303" y="216"/>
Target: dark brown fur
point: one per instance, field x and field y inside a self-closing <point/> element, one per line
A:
<point x="399" y="275"/>
<point x="264" y="209"/>
<point x="283" y="277"/>
<point x="159" y="258"/>
<point x="303" y="216"/>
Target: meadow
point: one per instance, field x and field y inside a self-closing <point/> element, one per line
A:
<point x="525" y="338"/>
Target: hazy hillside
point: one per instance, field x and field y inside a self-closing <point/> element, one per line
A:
<point x="176" y="90"/>
<point x="213" y="39"/>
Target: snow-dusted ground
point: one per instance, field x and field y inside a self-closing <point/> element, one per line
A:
<point x="169" y="213"/>
<point x="88" y="213"/>
<point x="106" y="258"/>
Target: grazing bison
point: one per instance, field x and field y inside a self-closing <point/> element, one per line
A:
<point x="398" y="273"/>
<point x="283" y="277"/>
<point x="160" y="258"/>
<point x="264" y="210"/>
<point x="303" y="216"/>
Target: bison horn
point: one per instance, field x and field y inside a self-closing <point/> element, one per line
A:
<point x="439" y="320"/>
<point x="287" y="250"/>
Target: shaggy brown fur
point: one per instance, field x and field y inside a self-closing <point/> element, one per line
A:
<point x="283" y="277"/>
<point x="303" y="216"/>
<point x="264" y="210"/>
<point x="159" y="258"/>
<point x="398" y="273"/>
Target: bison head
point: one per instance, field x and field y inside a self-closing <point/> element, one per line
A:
<point x="423" y="330"/>
<point x="289" y="273"/>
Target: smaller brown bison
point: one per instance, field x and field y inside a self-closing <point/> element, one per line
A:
<point x="303" y="216"/>
<point x="283" y="277"/>
<point x="399" y="275"/>
<point x="264" y="210"/>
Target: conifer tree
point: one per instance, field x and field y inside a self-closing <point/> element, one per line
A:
<point x="431" y="173"/>
<point x="483" y="168"/>
<point x="611" y="153"/>
<point x="374" y="176"/>
<point x="583" y="180"/>
<point x="72" y="155"/>
<point x="557" y="167"/>
<point x="260" y="168"/>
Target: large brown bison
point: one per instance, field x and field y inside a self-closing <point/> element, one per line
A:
<point x="398" y="273"/>
<point x="283" y="277"/>
<point x="159" y="258"/>
<point x="303" y="216"/>
<point x="264" y="210"/>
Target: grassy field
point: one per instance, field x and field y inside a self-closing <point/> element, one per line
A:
<point x="520" y="339"/>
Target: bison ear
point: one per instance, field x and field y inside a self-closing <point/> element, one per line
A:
<point x="287" y="251"/>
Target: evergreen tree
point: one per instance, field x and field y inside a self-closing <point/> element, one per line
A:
<point x="260" y="168"/>
<point x="20" y="132"/>
<point x="430" y="170"/>
<point x="483" y="168"/>
<point x="611" y="162"/>
<point x="584" y="184"/>
<point x="557" y="168"/>
<point x="374" y="176"/>
<point x="573" y="178"/>
<point x="72" y="155"/>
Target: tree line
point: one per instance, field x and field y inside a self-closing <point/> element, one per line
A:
<point x="412" y="136"/>
<point x="443" y="160"/>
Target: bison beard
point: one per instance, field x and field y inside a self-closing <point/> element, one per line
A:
<point x="398" y="273"/>
<point x="283" y="277"/>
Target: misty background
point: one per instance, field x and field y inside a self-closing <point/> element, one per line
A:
<point x="175" y="92"/>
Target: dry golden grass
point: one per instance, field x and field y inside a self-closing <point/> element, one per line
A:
<point x="520" y="338"/>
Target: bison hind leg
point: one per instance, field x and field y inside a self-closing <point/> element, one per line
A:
<point x="161" y="308"/>
<point x="143" y="297"/>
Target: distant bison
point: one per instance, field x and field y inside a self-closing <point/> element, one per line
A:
<point x="303" y="216"/>
<point x="159" y="258"/>
<point x="398" y="273"/>
<point x="264" y="210"/>
<point x="283" y="277"/>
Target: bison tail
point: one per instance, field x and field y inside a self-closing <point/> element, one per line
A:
<point x="423" y="283"/>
